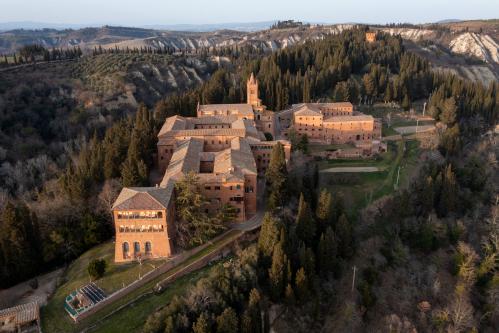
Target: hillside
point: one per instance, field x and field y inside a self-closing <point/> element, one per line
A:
<point x="468" y="48"/>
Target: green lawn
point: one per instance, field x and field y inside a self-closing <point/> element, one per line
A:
<point x="317" y="148"/>
<point x="359" y="189"/>
<point x="76" y="276"/>
<point x="133" y="317"/>
<point x="54" y="317"/>
<point x="382" y="162"/>
<point x="388" y="131"/>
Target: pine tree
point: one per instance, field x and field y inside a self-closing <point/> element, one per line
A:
<point x="133" y="172"/>
<point x="305" y="224"/>
<point x="20" y="244"/>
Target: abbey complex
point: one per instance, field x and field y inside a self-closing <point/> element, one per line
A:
<point x="227" y="146"/>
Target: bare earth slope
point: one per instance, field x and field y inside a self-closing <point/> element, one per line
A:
<point x="469" y="48"/>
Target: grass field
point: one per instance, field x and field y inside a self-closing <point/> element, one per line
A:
<point x="55" y="319"/>
<point x="360" y="189"/>
<point x="76" y="276"/>
<point x="132" y="318"/>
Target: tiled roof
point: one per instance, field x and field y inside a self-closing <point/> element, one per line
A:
<point x="226" y="109"/>
<point x="210" y="132"/>
<point x="173" y="123"/>
<point x="338" y="119"/>
<point x="213" y="120"/>
<point x="23" y="313"/>
<point x="236" y="160"/>
<point x="143" y="198"/>
<point x="307" y="110"/>
<point x="184" y="159"/>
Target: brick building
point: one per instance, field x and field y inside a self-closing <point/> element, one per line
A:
<point x="370" y="36"/>
<point x="330" y="123"/>
<point x="225" y="146"/>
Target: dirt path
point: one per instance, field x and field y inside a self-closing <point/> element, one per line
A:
<point x="23" y="293"/>
<point x="351" y="169"/>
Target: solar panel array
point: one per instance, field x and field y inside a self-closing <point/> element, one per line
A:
<point x="93" y="292"/>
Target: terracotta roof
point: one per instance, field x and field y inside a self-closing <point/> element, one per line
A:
<point x="213" y="120"/>
<point x="24" y="313"/>
<point x="236" y="160"/>
<point x="144" y="198"/>
<point x="210" y="132"/>
<point x="308" y="110"/>
<point x="173" y="123"/>
<point x="337" y="119"/>
<point x="246" y="124"/>
<point x="184" y="159"/>
<point x="226" y="109"/>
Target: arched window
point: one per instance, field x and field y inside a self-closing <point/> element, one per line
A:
<point x="126" y="249"/>
<point x="136" y="247"/>
<point x="147" y="248"/>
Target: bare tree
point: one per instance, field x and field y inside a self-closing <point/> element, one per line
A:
<point x="108" y="195"/>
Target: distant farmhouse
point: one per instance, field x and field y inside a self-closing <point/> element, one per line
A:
<point x="227" y="147"/>
<point x="371" y="36"/>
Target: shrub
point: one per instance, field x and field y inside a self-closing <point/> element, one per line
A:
<point x="97" y="268"/>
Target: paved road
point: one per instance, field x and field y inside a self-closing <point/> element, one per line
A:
<point x="412" y="129"/>
<point x="250" y="224"/>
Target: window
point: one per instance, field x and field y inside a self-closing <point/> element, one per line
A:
<point x="207" y="187"/>
<point x="126" y="249"/>
<point x="217" y="188"/>
<point x="136" y="248"/>
<point x="147" y="248"/>
<point x="238" y="186"/>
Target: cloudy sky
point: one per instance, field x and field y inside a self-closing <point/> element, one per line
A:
<point x="154" y="12"/>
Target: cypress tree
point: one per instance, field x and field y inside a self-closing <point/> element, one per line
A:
<point x="344" y="232"/>
<point x="327" y="252"/>
<point x="269" y="234"/>
<point x="305" y="224"/>
<point x="276" y="177"/>
<point x="324" y="211"/>
<point x="277" y="272"/>
<point x="301" y="282"/>
<point x="227" y="321"/>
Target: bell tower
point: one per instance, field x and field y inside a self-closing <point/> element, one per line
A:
<point x="252" y="91"/>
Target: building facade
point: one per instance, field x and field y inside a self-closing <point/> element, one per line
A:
<point x="225" y="146"/>
<point x="331" y="123"/>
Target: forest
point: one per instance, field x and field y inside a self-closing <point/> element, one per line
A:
<point x="55" y="205"/>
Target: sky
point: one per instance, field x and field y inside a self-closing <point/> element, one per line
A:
<point x="157" y="12"/>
